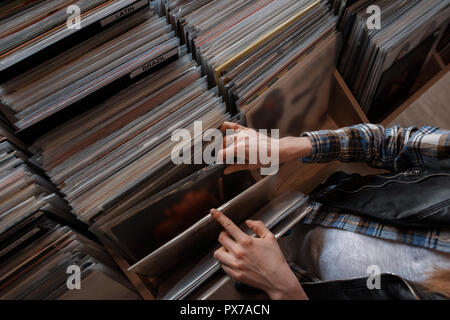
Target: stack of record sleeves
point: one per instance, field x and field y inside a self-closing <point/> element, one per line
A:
<point x="33" y="30"/>
<point x="92" y="70"/>
<point x="381" y="65"/>
<point x="273" y="60"/>
<point x="37" y="250"/>
<point x="24" y="188"/>
<point x="41" y="259"/>
<point x="119" y="152"/>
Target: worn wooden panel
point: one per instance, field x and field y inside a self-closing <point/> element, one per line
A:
<point x="431" y="109"/>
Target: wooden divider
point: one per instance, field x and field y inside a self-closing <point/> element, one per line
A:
<point x="345" y="109"/>
<point x="141" y="284"/>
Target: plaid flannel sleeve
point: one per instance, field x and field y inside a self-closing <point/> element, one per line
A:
<point x="393" y="149"/>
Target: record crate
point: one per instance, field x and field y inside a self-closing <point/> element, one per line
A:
<point x="342" y="110"/>
<point x="346" y="111"/>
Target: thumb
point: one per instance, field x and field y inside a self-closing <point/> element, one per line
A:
<point x="239" y="167"/>
<point x="259" y="228"/>
<point x="231" y="125"/>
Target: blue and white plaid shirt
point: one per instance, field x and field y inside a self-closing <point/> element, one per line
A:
<point x="395" y="149"/>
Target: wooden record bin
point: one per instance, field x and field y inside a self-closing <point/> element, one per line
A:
<point x="343" y="110"/>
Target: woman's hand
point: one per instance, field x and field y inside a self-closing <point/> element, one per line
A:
<point x="248" y="142"/>
<point x="257" y="262"/>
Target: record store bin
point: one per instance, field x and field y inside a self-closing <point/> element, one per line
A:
<point x="90" y="98"/>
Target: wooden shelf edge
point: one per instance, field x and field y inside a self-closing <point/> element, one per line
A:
<point x="405" y="105"/>
<point x="344" y="109"/>
<point x="439" y="60"/>
<point x="134" y="278"/>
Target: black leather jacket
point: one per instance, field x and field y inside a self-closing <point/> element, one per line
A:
<point x="392" y="287"/>
<point x="417" y="197"/>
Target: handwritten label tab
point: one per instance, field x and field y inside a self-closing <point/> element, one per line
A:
<point x="123" y="12"/>
<point x="149" y="65"/>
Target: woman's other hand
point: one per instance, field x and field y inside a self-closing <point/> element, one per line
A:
<point x="257" y="262"/>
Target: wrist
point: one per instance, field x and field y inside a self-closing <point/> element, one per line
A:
<point x="287" y="287"/>
<point x="294" y="148"/>
<point x="293" y="291"/>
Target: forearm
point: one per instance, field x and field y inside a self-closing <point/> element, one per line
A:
<point x="394" y="148"/>
<point x="359" y="143"/>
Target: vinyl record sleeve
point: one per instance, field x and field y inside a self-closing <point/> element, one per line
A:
<point x="219" y="71"/>
<point x="291" y="104"/>
<point x="272" y="214"/>
<point x="206" y="230"/>
<point x="175" y="209"/>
